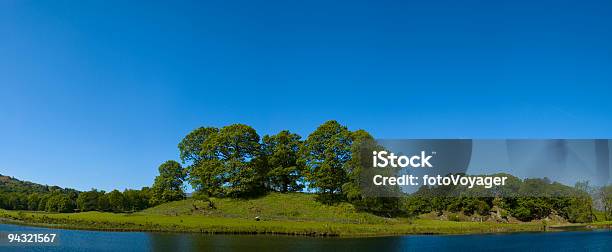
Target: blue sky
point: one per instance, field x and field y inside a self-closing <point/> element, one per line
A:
<point x="99" y="93"/>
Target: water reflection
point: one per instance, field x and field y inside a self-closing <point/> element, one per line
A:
<point x="78" y="240"/>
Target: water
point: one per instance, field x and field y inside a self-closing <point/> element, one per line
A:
<point x="78" y="240"/>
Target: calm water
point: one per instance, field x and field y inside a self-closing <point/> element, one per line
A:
<point x="76" y="240"/>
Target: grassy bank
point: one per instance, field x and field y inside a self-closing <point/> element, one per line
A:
<point x="205" y="224"/>
<point x="294" y="214"/>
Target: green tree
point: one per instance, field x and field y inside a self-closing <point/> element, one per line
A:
<point x="103" y="202"/>
<point x="145" y="196"/>
<point x="230" y="163"/>
<point x="65" y="204"/>
<point x="136" y="199"/>
<point x="606" y="197"/>
<point x="191" y="146"/>
<point x="131" y="198"/>
<point x="581" y="204"/>
<point x="52" y="203"/>
<point x="18" y="201"/>
<point x="3" y="201"/>
<point x="204" y="167"/>
<point x="42" y="204"/>
<point x="60" y="203"/>
<point x="358" y="189"/>
<point x="281" y="152"/>
<point x="325" y="154"/>
<point x="88" y="201"/>
<point x="208" y="176"/>
<point x="33" y="201"/>
<point x="362" y="143"/>
<point x="168" y="185"/>
<point x="416" y="205"/>
<point x="116" y="201"/>
<point x="475" y="206"/>
<point x="579" y="210"/>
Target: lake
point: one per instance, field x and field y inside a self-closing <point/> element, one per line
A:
<point x="79" y="240"/>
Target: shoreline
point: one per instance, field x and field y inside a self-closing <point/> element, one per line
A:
<point x="561" y="228"/>
<point x="110" y="222"/>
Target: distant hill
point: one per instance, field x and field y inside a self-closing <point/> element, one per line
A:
<point x="13" y="185"/>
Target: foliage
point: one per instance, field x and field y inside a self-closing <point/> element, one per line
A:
<point x="384" y="201"/>
<point x="136" y="200"/>
<point x="281" y="159"/>
<point x="571" y="203"/>
<point x="325" y="154"/>
<point x="116" y="201"/>
<point x="191" y="146"/>
<point x="23" y="195"/>
<point x="88" y="201"/>
<point x="229" y="163"/>
<point x="606" y="196"/>
<point x="168" y="185"/>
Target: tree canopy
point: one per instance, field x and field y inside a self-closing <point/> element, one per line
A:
<point x="282" y="153"/>
<point x="168" y="185"/>
<point x="325" y="154"/>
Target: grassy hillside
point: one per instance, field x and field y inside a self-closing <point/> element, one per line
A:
<point x="295" y="214"/>
<point x="274" y="206"/>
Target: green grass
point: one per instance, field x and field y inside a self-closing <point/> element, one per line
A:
<point x="599" y="215"/>
<point x="602" y="224"/>
<point x="274" y="206"/>
<point x="294" y="214"/>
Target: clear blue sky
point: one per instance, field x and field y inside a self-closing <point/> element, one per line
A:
<point x="97" y="94"/>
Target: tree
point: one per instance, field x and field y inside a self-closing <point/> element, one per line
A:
<point x="416" y="205"/>
<point x="238" y="148"/>
<point x="42" y="204"/>
<point x="580" y="207"/>
<point x="281" y="152"/>
<point x="88" y="201"/>
<point x="65" y="204"/>
<point x="132" y="200"/>
<point x="476" y="206"/>
<point x="208" y="176"/>
<point x="191" y="146"/>
<point x="16" y="201"/>
<point x="325" y="154"/>
<point x="358" y="189"/>
<point x="229" y="163"/>
<point x="33" y="201"/>
<point x="203" y="165"/>
<point x="606" y="197"/>
<point x="60" y="203"/>
<point x="136" y="199"/>
<point x="52" y="203"/>
<point x="103" y="202"/>
<point x="168" y="185"/>
<point x="146" y="194"/>
<point x="362" y="142"/>
<point x="116" y="201"/>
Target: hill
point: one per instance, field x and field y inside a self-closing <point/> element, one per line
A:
<point x="294" y="214"/>
<point x="274" y="206"/>
<point x="17" y="194"/>
<point x="10" y="184"/>
<point x="13" y="185"/>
